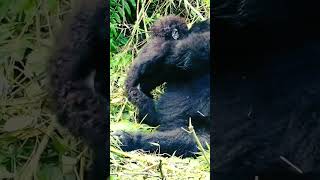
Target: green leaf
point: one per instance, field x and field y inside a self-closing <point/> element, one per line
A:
<point x="68" y="163"/>
<point x="52" y="5"/>
<point x="4" y="7"/>
<point x="37" y="60"/>
<point x="133" y="3"/>
<point x="21" y="5"/>
<point x="30" y="11"/>
<point x="5" y="32"/>
<point x="116" y="17"/>
<point x="127" y="8"/>
<point x="15" y="48"/>
<point x="50" y="172"/>
<point x="120" y="12"/>
<point x="5" y="174"/>
<point x="33" y="90"/>
<point x="207" y="2"/>
<point x="59" y="146"/>
<point x="17" y="122"/>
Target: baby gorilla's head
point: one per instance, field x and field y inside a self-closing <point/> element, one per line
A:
<point x="170" y="28"/>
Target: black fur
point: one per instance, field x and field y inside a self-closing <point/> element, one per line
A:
<point x="266" y="89"/>
<point x="187" y="93"/>
<point x="79" y="104"/>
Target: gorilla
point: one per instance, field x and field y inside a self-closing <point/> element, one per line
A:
<point x="177" y="56"/>
<point x="266" y="118"/>
<point x="77" y="82"/>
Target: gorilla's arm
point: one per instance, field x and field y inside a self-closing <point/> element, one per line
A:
<point x="148" y="61"/>
<point x="146" y="107"/>
<point x="141" y="80"/>
<point x="79" y="48"/>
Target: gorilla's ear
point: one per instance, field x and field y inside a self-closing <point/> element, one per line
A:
<point x="170" y="27"/>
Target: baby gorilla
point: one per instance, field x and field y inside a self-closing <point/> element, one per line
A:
<point x="172" y="56"/>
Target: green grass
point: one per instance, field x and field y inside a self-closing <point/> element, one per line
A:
<point x="129" y="31"/>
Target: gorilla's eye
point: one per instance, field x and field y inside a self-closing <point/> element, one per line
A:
<point x="175" y="34"/>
